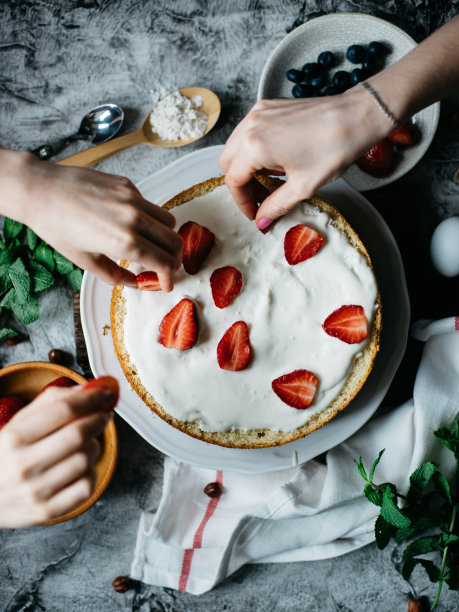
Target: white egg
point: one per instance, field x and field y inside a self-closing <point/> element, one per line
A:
<point x="444" y="247"/>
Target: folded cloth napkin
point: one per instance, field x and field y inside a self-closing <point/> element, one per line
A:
<point x="312" y="511"/>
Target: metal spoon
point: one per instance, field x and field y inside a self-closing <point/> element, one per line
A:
<point x="99" y="125"/>
<point x="145" y="135"/>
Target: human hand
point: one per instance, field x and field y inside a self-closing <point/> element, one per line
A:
<point x="312" y="140"/>
<point x="47" y="452"/>
<point x="90" y="216"/>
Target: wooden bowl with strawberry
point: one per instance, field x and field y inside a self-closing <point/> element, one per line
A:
<point x="22" y="382"/>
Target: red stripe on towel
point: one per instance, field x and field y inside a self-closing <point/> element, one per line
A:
<point x="197" y="538"/>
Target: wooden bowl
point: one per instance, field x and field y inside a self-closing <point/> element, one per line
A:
<point x="27" y="380"/>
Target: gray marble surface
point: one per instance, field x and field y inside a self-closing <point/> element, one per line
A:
<point x="58" y="59"/>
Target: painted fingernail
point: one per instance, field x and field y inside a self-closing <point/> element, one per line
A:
<point x="264" y="223"/>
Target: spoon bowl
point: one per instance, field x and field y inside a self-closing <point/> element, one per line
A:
<point x="145" y="135"/>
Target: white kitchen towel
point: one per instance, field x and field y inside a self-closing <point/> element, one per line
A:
<point x="312" y="511"/>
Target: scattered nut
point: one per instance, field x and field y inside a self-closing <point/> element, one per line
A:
<point x="121" y="584"/>
<point x="213" y="489"/>
<point x="58" y="356"/>
<point x="15" y="340"/>
<point x="418" y="605"/>
<point x="456" y="176"/>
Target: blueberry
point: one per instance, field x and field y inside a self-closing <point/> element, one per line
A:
<point x="330" y="91"/>
<point x="377" y="49"/>
<point x="370" y="66"/>
<point x="302" y="91"/>
<point x="357" y="76"/>
<point x="294" y="75"/>
<point x="341" y="80"/>
<point x="326" y="59"/>
<point x="317" y="81"/>
<point x="312" y="70"/>
<point x="356" y="54"/>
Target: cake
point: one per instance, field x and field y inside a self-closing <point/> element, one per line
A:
<point x="288" y="310"/>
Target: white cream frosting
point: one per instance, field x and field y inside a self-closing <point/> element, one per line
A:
<point x="284" y="307"/>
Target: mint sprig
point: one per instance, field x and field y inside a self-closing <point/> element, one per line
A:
<point x="427" y="517"/>
<point x="28" y="265"/>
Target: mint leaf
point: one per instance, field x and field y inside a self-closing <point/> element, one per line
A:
<point x="403" y="533"/>
<point x="6" y="333"/>
<point x="63" y="265"/>
<point x="20" y="279"/>
<point x="373" y="467"/>
<point x="32" y="239"/>
<point x="2" y="245"/>
<point x="5" y="280"/>
<point x="452" y="577"/>
<point x="391" y="512"/>
<point x="432" y="570"/>
<point x="11" y="229"/>
<point x="75" y="277"/>
<point x="448" y="538"/>
<point x="373" y="495"/>
<point x="441" y="484"/>
<point x="41" y="278"/>
<point x="450" y="438"/>
<point x="44" y="255"/>
<point x="420" y="478"/>
<point x="383" y="532"/>
<point x="421" y="546"/>
<point x="361" y="469"/>
<point x="28" y="312"/>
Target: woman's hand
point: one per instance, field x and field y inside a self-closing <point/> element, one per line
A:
<point x="311" y="140"/>
<point x="90" y="217"/>
<point x="47" y="452"/>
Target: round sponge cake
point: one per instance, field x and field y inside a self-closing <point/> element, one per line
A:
<point x="284" y="307"/>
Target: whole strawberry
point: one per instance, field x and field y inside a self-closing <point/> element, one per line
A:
<point x="8" y="407"/>
<point x="406" y="135"/>
<point x="379" y="160"/>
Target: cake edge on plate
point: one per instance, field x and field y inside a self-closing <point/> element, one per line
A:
<point x="253" y="438"/>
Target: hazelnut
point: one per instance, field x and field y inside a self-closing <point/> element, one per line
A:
<point x="121" y="584"/>
<point x="418" y="605"/>
<point x="58" y="356"/>
<point x="213" y="489"/>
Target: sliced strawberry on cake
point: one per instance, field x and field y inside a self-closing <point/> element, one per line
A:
<point x="179" y="328"/>
<point x="300" y="243"/>
<point x="233" y="350"/>
<point x="347" y="323"/>
<point x="297" y="389"/>
<point x="226" y="284"/>
<point x="8" y="407"/>
<point x="197" y="244"/>
<point x="148" y="281"/>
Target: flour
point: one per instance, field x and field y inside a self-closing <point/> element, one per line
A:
<point x="175" y="117"/>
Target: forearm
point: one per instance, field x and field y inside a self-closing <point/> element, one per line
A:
<point x="428" y="73"/>
<point x="14" y="180"/>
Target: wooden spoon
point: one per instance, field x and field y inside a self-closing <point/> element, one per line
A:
<point x="144" y="135"/>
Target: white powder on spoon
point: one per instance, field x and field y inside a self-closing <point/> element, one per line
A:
<point x="175" y="117"/>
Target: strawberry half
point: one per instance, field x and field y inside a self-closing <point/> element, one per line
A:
<point x="300" y="243"/>
<point x="297" y="389"/>
<point x="406" y="136"/>
<point x="148" y="281"/>
<point x="233" y="350"/>
<point x="179" y="328"/>
<point x="379" y="160"/>
<point x="226" y="284"/>
<point x="105" y="382"/>
<point x="62" y="381"/>
<point x="8" y="407"/>
<point x="197" y="244"/>
<point x="347" y="323"/>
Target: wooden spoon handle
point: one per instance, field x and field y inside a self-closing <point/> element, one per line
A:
<point x="96" y="154"/>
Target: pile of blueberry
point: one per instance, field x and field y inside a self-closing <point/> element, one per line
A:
<point x="314" y="78"/>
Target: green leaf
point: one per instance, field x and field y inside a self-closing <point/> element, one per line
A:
<point x="403" y="533"/>
<point x="6" y="257"/>
<point x="361" y="469"/>
<point x="432" y="570"/>
<point x="41" y="278"/>
<point x="421" y="546"/>
<point x="373" y="467"/>
<point x="452" y="576"/>
<point x="5" y="280"/>
<point x="2" y="245"/>
<point x="32" y="239"/>
<point x="44" y="255"/>
<point x="75" y="277"/>
<point x="373" y="495"/>
<point x="11" y="229"/>
<point x="450" y="438"/>
<point x="20" y="279"/>
<point x="28" y="312"/>
<point x="448" y="538"/>
<point x="63" y="265"/>
<point x="420" y="478"/>
<point x="441" y="484"/>
<point x="391" y="512"/>
<point x="6" y="333"/>
<point x="383" y="532"/>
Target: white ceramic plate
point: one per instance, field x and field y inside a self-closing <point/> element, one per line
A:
<point x="335" y="32"/>
<point x="95" y="315"/>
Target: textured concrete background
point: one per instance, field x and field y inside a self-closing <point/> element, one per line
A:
<point x="58" y="59"/>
